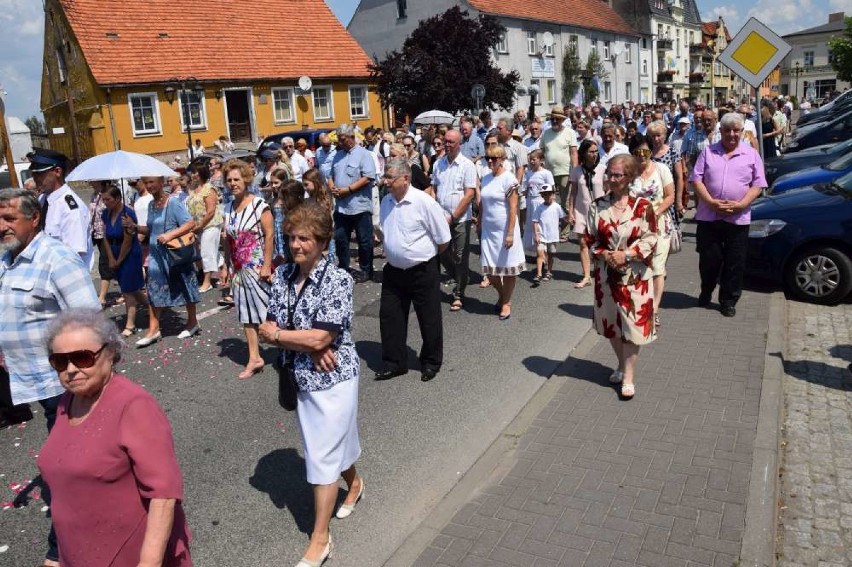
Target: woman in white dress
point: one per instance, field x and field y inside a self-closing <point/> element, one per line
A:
<point x="534" y="178"/>
<point x="502" y="251"/>
<point x="586" y="184"/>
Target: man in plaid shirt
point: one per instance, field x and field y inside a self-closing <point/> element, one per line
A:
<point x="39" y="277"/>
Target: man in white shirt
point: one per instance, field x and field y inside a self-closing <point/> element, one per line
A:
<point x="454" y="182"/>
<point x="609" y="147"/>
<point x="532" y="141"/>
<point x="416" y="233"/>
<point x="298" y="163"/>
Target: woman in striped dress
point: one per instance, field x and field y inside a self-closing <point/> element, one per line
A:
<point x="249" y="242"/>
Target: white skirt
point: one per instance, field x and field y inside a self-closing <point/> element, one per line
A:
<point x="210" y="248"/>
<point x="328" y="422"/>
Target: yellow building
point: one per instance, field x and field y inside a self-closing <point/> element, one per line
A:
<point x="132" y="74"/>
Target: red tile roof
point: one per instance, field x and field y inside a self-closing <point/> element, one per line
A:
<point x="589" y="14"/>
<point x="212" y="40"/>
<point x="708" y="30"/>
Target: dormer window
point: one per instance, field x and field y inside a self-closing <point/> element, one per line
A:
<point x="401" y="9"/>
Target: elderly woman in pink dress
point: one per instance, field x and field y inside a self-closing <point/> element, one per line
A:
<point x="110" y="459"/>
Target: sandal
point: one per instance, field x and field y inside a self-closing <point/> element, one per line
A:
<point x="226" y="301"/>
<point x="485" y="282"/>
<point x="457" y="305"/>
<point x="628" y="390"/>
<point x="616" y="377"/>
<point x="129" y="332"/>
<point x="547" y="277"/>
<point x="657" y="321"/>
<point x="586" y="281"/>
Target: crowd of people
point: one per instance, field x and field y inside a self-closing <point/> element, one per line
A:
<point x="276" y="239"/>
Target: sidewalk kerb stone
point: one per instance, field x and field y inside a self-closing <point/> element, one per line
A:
<point x="758" y="544"/>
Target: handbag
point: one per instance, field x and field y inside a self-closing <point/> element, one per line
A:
<point x="181" y="250"/>
<point x="676" y="240"/>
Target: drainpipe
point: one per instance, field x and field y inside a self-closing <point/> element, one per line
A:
<point x="115" y="144"/>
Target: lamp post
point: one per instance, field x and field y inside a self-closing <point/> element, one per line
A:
<point x="798" y="70"/>
<point x="533" y="91"/>
<point x="184" y="85"/>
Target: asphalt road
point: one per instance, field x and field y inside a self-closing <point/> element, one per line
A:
<point x="246" y="497"/>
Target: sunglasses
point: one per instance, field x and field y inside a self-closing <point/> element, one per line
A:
<point x="642" y="152"/>
<point x="81" y="359"/>
<point x="438" y="145"/>
<point x="490" y="159"/>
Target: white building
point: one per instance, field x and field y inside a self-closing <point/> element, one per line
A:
<point x="381" y="26"/>
<point x="806" y="71"/>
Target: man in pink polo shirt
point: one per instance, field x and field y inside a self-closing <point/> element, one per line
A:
<point x="728" y="176"/>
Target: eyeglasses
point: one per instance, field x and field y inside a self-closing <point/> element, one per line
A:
<point x="81" y="359"/>
<point x="407" y="145"/>
<point x="391" y="177"/>
<point x="642" y="152"/>
<point x="438" y="145"/>
<point x="490" y="143"/>
<point x="615" y="176"/>
<point x="288" y="146"/>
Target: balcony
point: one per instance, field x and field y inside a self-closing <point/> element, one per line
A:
<point x="696" y="78"/>
<point x="665" y="76"/>
<point x="699" y="50"/>
<point x="808" y="69"/>
<point x="664" y="44"/>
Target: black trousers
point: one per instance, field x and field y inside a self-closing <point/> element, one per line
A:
<point x="419" y="285"/>
<point x="722" y="249"/>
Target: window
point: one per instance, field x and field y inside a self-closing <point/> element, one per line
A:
<point x="717" y="68"/>
<point x="282" y="106"/>
<point x="401" y="9"/>
<point x="60" y="65"/>
<point x="628" y="91"/>
<point x="644" y="43"/>
<point x="607" y="91"/>
<point x="193" y="102"/>
<point x="691" y="37"/>
<point x="809" y="58"/>
<point x="628" y="53"/>
<point x="537" y="85"/>
<point x="548" y="50"/>
<point x="606" y="51"/>
<point x="358" y="107"/>
<point x="677" y="42"/>
<point x="502" y="44"/>
<point x="323" y="107"/>
<point x="551" y="91"/>
<point x="574" y="42"/>
<point x="644" y="66"/>
<point x="531" y="43"/>
<point x="660" y="31"/>
<point x="668" y="32"/>
<point x="595" y="45"/>
<point x="144" y="113"/>
<point x="830" y="57"/>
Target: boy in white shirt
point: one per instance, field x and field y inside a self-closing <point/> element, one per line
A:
<point x="546" y="220"/>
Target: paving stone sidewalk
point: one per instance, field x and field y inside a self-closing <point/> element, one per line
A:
<point x="815" y="520"/>
<point x="657" y="481"/>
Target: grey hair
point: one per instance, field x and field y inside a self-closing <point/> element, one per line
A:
<point x="608" y="126"/>
<point x="92" y="319"/>
<point x="28" y="204"/>
<point x="657" y="126"/>
<point x="732" y="120"/>
<point x="345" y="130"/>
<point x="397" y="147"/>
<point x="286" y="140"/>
<point x="397" y="167"/>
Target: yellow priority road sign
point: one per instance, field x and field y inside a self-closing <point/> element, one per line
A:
<point x="754" y="52"/>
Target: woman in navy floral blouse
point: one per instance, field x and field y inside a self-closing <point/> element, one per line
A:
<point x="310" y="319"/>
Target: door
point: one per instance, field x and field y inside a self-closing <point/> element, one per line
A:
<point x="238" y="106"/>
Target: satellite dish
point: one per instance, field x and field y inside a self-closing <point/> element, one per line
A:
<point x="547" y="39"/>
<point x="305" y="83"/>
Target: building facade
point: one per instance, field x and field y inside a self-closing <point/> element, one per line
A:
<point x="111" y="84"/>
<point x="806" y="72"/>
<point x="710" y="80"/>
<point x="534" y="43"/>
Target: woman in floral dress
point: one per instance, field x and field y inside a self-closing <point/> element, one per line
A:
<point x="249" y="244"/>
<point x="655" y="183"/>
<point x="622" y="234"/>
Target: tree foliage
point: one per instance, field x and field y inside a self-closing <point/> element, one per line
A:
<point x="594" y="68"/>
<point x="571" y="73"/>
<point x="36" y="125"/>
<point x="439" y="63"/>
<point x="841" y="49"/>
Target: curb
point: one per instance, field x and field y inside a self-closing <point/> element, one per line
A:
<point x="758" y="546"/>
<point x="492" y="463"/>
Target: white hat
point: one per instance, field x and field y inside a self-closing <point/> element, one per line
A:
<point x="684" y="120"/>
<point x="546" y="188"/>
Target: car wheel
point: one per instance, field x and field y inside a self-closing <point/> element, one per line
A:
<point x="819" y="275"/>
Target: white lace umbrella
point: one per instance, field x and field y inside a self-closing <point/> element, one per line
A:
<point x="119" y="165"/>
<point x="435" y="117"/>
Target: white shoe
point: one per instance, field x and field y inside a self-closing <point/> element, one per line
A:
<point x="616" y="377"/>
<point x="147" y="341"/>
<point x="346" y="510"/>
<point x="326" y="554"/>
<point x="186" y="333"/>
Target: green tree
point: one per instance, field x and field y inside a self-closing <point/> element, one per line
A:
<point x="439" y="63"/>
<point x="36" y="125"/>
<point x="571" y="73"/>
<point x="594" y="68"/>
<point x="841" y="49"/>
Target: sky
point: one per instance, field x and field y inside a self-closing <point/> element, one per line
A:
<point x="22" y="29"/>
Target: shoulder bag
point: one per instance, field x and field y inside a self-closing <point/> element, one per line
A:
<point x="676" y="242"/>
<point x="181" y="250"/>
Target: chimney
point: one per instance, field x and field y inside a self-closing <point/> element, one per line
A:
<point x="836" y="17"/>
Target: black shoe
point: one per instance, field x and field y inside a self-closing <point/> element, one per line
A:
<point x="428" y="374"/>
<point x="728" y="310"/>
<point x="388" y="374"/>
<point x="704" y="300"/>
<point x="16" y="415"/>
<point x="361" y="277"/>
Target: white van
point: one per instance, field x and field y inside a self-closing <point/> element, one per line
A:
<point x="21" y="168"/>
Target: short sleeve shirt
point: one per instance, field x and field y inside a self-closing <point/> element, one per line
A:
<point x="547" y="218"/>
<point x="347" y="168"/>
<point x="450" y="180"/>
<point x="414" y="227"/>
<point x="68" y="221"/>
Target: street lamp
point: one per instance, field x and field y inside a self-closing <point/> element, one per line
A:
<point x="798" y="70"/>
<point x="185" y="85"/>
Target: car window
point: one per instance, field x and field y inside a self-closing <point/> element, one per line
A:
<point x="841" y="164"/>
<point x="844" y="183"/>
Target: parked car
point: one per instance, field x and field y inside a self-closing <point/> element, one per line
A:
<point x="838" y="105"/>
<point x="21" y="168"/>
<point x="777" y="166"/>
<point x="838" y="129"/>
<point x="310" y="136"/>
<point x="825" y="173"/>
<point x="803" y="238"/>
<point x="245" y="155"/>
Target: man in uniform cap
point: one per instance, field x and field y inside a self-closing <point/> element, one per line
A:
<point x="64" y="215"/>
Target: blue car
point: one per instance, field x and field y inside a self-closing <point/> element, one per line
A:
<point x="825" y="173"/>
<point x="803" y="238"/>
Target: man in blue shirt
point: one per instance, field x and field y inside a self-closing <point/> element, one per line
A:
<point x="471" y="147"/>
<point x="353" y="174"/>
<point x="324" y="156"/>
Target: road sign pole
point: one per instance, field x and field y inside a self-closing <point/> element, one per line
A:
<point x="759" y="125"/>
